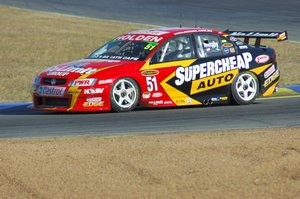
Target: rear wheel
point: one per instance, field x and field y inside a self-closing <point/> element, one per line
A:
<point x="244" y="88"/>
<point x="124" y="95"/>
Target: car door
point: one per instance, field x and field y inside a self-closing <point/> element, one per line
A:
<point x="178" y="51"/>
<point x="211" y="75"/>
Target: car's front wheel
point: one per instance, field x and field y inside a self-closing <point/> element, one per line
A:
<point x="124" y="95"/>
<point x="244" y="88"/>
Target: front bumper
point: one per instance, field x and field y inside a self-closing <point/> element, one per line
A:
<point x="73" y="100"/>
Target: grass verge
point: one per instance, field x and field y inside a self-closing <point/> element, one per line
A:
<point x="32" y="41"/>
<point x="261" y="163"/>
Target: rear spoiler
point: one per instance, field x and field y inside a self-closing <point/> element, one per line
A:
<point x="279" y="36"/>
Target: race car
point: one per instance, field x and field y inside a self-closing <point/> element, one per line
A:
<point x="163" y="67"/>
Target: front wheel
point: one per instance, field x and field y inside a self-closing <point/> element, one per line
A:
<point x="124" y="95"/>
<point x="244" y="88"/>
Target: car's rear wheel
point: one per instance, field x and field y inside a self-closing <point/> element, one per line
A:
<point x="124" y="95"/>
<point x="244" y="88"/>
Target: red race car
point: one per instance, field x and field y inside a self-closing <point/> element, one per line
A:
<point x="161" y="68"/>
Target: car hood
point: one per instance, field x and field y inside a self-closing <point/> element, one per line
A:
<point x="83" y="68"/>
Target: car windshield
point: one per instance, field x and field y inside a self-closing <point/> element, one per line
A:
<point x="124" y="50"/>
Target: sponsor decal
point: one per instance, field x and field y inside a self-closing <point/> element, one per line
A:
<point x="189" y="100"/>
<point x="92" y="91"/>
<point x="212" y="82"/>
<point x="117" y="57"/>
<point x="93" y="104"/>
<point x="125" y="58"/>
<point x="243" y="47"/>
<point x="106" y="81"/>
<point x="232" y="50"/>
<point x="254" y="34"/>
<point x="213" y="68"/>
<point x="226" y="50"/>
<point x="54" y="73"/>
<point x="134" y="37"/>
<point x="262" y="59"/>
<point x="239" y="43"/>
<point x="215" y="99"/>
<point x="269" y="72"/>
<point x="233" y="39"/>
<point x="146" y="95"/>
<point x="168" y="102"/>
<point x="94" y="99"/>
<point x="150" y="73"/>
<point x="158" y="102"/>
<point x="150" y="46"/>
<point x="223" y="98"/>
<point x="195" y="30"/>
<point x="51" y="91"/>
<point x="180" y="101"/>
<point x="213" y="44"/>
<point x="271" y="79"/>
<point x="150" y="32"/>
<point x="75" y="68"/>
<point x="84" y="82"/>
<point x="227" y="45"/>
<point x="157" y="94"/>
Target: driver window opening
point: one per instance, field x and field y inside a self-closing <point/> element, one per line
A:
<point x="178" y="48"/>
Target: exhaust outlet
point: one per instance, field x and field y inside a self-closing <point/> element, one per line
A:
<point x="205" y="102"/>
<point x="210" y="102"/>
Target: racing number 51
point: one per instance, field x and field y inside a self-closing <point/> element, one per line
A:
<point x="151" y="84"/>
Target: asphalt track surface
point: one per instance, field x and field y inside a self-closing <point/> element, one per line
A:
<point x="19" y="121"/>
<point x="267" y="15"/>
<point x="16" y="120"/>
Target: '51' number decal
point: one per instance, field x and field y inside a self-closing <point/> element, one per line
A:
<point x="151" y="84"/>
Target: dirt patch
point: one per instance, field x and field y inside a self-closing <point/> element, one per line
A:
<point x="239" y="164"/>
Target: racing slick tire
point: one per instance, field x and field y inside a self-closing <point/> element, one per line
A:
<point x="124" y="95"/>
<point x="244" y="88"/>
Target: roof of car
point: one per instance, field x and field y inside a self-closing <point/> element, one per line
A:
<point x="173" y="31"/>
<point x="161" y="34"/>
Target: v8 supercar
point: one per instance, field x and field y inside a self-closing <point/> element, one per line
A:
<point x="161" y="68"/>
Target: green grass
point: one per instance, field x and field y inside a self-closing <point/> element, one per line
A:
<point x="32" y="41"/>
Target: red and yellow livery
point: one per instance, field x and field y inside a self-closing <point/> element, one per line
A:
<point x="162" y="67"/>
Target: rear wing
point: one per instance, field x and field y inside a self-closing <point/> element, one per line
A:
<point x="279" y="36"/>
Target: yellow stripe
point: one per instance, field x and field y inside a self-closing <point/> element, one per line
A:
<point x="260" y="69"/>
<point x="183" y="63"/>
<point x="219" y="80"/>
<point x="271" y="89"/>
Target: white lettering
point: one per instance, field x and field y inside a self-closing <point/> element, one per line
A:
<point x="180" y="76"/>
<point x="198" y="71"/>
